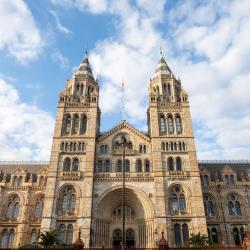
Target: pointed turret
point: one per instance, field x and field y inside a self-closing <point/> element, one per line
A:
<point x="84" y="68"/>
<point x="162" y="67"/>
<point x="82" y="87"/>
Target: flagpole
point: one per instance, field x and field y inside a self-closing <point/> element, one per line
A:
<point x="123" y="101"/>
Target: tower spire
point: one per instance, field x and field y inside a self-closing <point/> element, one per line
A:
<point x="161" y="51"/>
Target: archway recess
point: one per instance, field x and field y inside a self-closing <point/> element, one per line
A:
<point x="107" y="216"/>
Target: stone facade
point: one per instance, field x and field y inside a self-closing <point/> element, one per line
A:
<point x="167" y="190"/>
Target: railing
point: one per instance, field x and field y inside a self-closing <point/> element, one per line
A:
<point x="24" y="162"/>
<point x="177" y="174"/>
<point x="127" y="151"/>
<point x="223" y="161"/>
<point x="71" y="175"/>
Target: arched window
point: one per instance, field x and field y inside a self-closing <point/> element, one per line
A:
<point x="202" y="180"/>
<point x="185" y="233"/>
<point x="4" y="238"/>
<point x="13" y="208"/>
<point x="69" y="234"/>
<point x="72" y="203"/>
<point x="20" y="180"/>
<point x="147" y="166"/>
<point x="169" y="90"/>
<point x="127" y="165"/>
<point x="208" y="205"/>
<point x="234" y="207"/>
<point x="37" y="212"/>
<point x="67" y="124"/>
<point x="33" y="238"/>
<point x="61" y="233"/>
<point x="170" y="124"/>
<point x="177" y="234"/>
<point x="75" y="165"/>
<point x="16" y="210"/>
<point x="41" y="181"/>
<point x="15" y="181"/>
<point x="178" y="124"/>
<point x="102" y="149"/>
<point x="99" y="166"/>
<point x="62" y="146"/>
<point x="214" y="236"/>
<point x="182" y="202"/>
<point x="9" y="211"/>
<point x="170" y="164"/>
<point x="83" y="124"/>
<point x="144" y="149"/>
<point x="106" y="149"/>
<point x="163" y="146"/>
<point x="205" y="180"/>
<point x="139" y="166"/>
<point x="75" y="123"/>
<point x="226" y="179"/>
<point x="162" y="124"/>
<point x="178" y="164"/>
<point x="165" y="90"/>
<point x="119" y="166"/>
<point x="231" y="180"/>
<point x="11" y="238"/>
<point x="178" y="199"/>
<point x="236" y="236"/>
<point x="107" y="166"/>
<point x="67" y="165"/>
<point x="66" y="201"/>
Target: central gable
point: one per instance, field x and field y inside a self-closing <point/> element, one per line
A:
<point x="124" y="127"/>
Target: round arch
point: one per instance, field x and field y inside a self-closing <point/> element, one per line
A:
<point x="134" y="197"/>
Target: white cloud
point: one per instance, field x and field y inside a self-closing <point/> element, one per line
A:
<point x="63" y="61"/>
<point x="94" y="6"/>
<point x="25" y="131"/>
<point x="208" y="45"/>
<point x="59" y="25"/>
<point x="19" y="34"/>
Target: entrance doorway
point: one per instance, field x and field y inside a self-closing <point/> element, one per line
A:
<point x="117" y="237"/>
<point x="130" y="238"/>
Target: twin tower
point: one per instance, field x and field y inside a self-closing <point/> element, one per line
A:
<point x="84" y="182"/>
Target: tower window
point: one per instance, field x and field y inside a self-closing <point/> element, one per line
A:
<point x="162" y="124"/>
<point x="75" y="123"/>
<point x="147" y="166"/>
<point x="170" y="124"/>
<point x="83" y="124"/>
<point x="67" y="165"/>
<point x="99" y="166"/>
<point x="107" y="166"/>
<point x="170" y="164"/>
<point x="178" y="124"/>
<point x="139" y="166"/>
<point x="67" y="124"/>
<point x="178" y="164"/>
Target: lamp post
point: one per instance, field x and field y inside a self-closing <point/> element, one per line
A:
<point x="124" y="145"/>
<point x="222" y="210"/>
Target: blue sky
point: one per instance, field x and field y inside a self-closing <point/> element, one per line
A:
<point x="206" y="44"/>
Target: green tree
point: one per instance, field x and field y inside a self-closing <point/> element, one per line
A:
<point x="48" y="238"/>
<point x="198" y="240"/>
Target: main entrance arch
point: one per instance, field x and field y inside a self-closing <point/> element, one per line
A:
<point x="107" y="219"/>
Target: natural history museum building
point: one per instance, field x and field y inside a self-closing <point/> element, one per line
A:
<point x="167" y="189"/>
